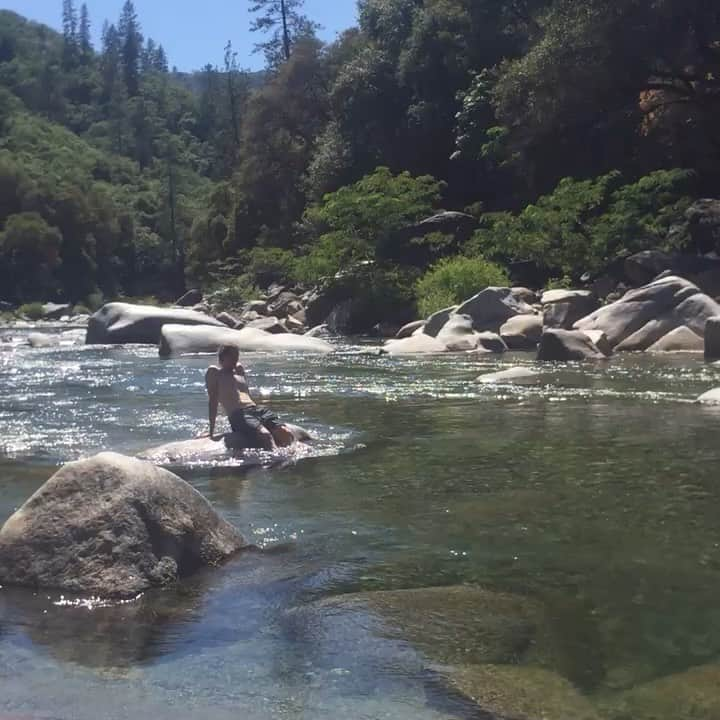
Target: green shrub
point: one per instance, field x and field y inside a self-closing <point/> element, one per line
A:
<point x="234" y="294"/>
<point x="584" y="224"/>
<point x="34" y="310"/>
<point x="270" y="264"/>
<point x="455" y="279"/>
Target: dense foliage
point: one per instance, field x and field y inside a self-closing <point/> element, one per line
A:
<point x="574" y="132"/>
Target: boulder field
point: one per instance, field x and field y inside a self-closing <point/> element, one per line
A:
<point x="123" y="323"/>
<point x="190" y="339"/>
<point x="112" y="527"/>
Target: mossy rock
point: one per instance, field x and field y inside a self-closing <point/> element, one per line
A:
<point x="692" y="695"/>
<point x="521" y="692"/>
<point x="455" y="625"/>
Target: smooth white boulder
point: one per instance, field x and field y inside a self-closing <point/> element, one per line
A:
<point x="458" y="334"/>
<point x="682" y="339"/>
<point x="123" y="323"/>
<point x="711" y="397"/>
<point x="522" y="332"/>
<point x="185" y="339"/>
<point x="419" y="344"/>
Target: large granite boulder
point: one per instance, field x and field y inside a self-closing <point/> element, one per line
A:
<point x="711" y="397"/>
<point x="268" y="324"/>
<point x="458" y="335"/>
<point x="190" y="298"/>
<point x="712" y="338"/>
<point x="649" y="265"/>
<point x="112" y="526"/>
<point x="408" y="329"/>
<point x="122" y="323"/>
<point x="492" y="308"/>
<point x="563" y="308"/>
<point x="645" y="315"/>
<point x="680" y="339"/>
<point x="435" y="323"/>
<point x="567" y="346"/>
<point x="185" y="339"/>
<point x="522" y="332"/>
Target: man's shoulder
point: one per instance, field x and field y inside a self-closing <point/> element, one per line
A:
<point x="212" y="371"/>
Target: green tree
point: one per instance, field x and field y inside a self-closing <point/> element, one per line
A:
<point x="285" y="23"/>
<point x="131" y="44"/>
<point x="84" y="37"/>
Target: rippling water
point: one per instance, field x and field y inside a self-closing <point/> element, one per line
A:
<point x="592" y="495"/>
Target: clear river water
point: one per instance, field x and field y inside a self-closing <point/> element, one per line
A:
<point x="591" y="497"/>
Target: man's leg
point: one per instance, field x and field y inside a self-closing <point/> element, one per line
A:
<point x="282" y="436"/>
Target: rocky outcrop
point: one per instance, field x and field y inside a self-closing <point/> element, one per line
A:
<point x="680" y="339"/>
<point x="522" y="332"/>
<point x="183" y="339"/>
<point x="563" y="308"/>
<point x="206" y="450"/>
<point x="190" y="299"/>
<point x="567" y="346"/>
<point x="644" y="316"/>
<point x="492" y="308"/>
<point x="122" y="323"/>
<point x="112" y="526"/>
<point x="712" y="338"/>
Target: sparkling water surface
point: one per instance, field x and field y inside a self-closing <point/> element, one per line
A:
<point x="593" y="494"/>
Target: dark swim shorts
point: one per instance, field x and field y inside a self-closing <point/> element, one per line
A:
<point x="250" y="420"/>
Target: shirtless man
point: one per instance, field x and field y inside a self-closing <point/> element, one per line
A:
<point x="227" y="386"/>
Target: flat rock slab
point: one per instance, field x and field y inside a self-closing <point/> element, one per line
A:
<point x="184" y="340"/>
<point x="111" y="527"/>
<point x="711" y="397"/>
<point x="681" y="339"/>
<point x="420" y="344"/>
<point x="206" y="451"/>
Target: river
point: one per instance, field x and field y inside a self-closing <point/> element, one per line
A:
<point x="592" y="495"/>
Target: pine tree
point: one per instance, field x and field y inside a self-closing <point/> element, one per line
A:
<point x="131" y="42"/>
<point x="160" y="62"/>
<point x="232" y="72"/>
<point x="70" y="34"/>
<point x="84" y="38"/>
<point x="109" y="60"/>
<point x="285" y="23"/>
<point x="147" y="59"/>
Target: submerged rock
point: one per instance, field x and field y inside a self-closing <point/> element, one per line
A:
<point x="643" y="316"/>
<point x="567" y="345"/>
<point x="511" y="376"/>
<point x="112" y="526"/>
<point x="691" y="695"/>
<point x="207" y="450"/>
<point x="521" y="692"/>
<point x="182" y="339"/>
<point x="457" y="625"/>
<point x="42" y="340"/>
<point x="120" y="323"/>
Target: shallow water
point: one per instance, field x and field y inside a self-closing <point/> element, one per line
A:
<point x="593" y="494"/>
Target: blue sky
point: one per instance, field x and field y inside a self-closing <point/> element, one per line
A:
<point x="193" y="32"/>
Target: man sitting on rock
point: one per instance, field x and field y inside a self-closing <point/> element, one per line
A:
<point x="227" y="385"/>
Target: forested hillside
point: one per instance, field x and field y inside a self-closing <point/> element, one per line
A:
<point x="572" y="132"/>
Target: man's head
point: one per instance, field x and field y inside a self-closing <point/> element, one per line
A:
<point x="229" y="356"/>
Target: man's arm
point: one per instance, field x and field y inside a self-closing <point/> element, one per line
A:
<point x="211" y="383"/>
